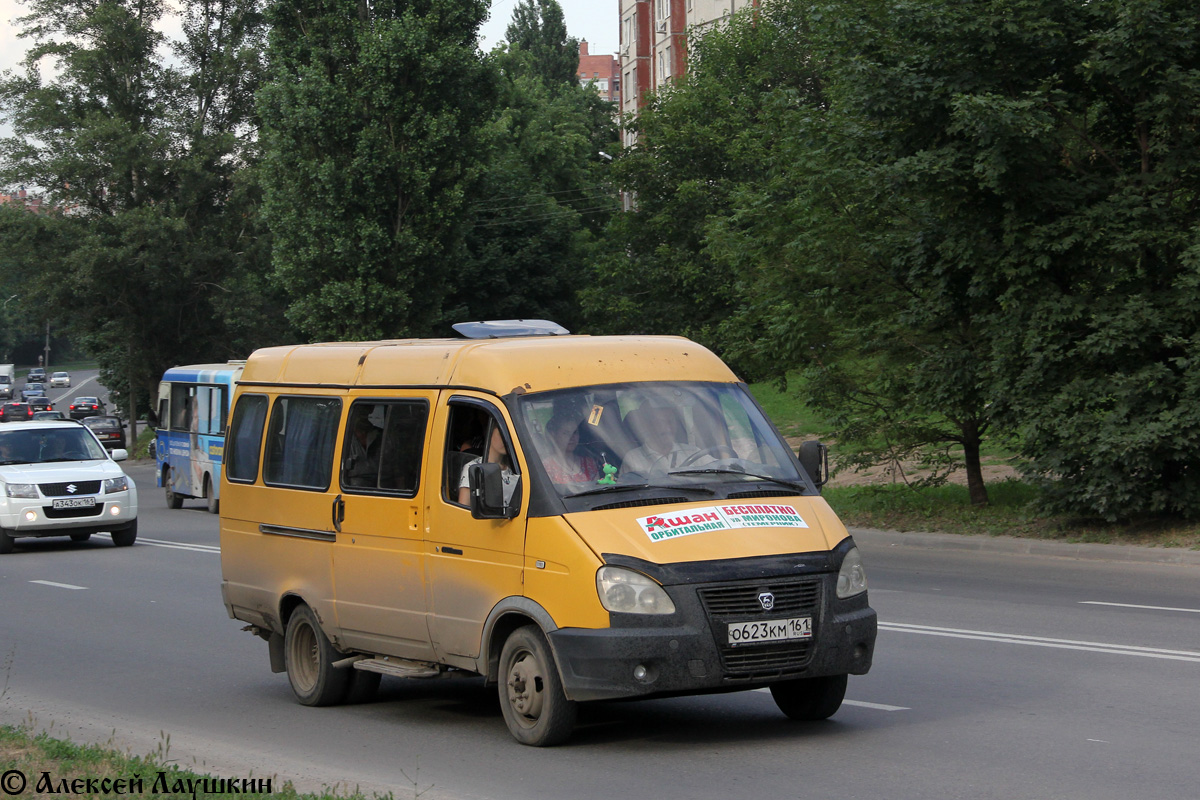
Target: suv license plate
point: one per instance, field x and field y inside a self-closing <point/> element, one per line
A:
<point x="75" y="502"/>
<point x="772" y="630"/>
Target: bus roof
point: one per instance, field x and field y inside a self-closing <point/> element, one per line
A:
<point x="500" y="366"/>
<point x="205" y="373"/>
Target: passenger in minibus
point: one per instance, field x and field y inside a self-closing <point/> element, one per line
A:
<point x="563" y="463"/>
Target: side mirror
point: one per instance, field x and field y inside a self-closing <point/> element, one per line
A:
<point x="119" y="454"/>
<point x="814" y="457"/>
<point x="486" y="484"/>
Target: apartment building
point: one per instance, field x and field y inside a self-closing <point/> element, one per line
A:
<point x="654" y="36"/>
<point x="601" y="72"/>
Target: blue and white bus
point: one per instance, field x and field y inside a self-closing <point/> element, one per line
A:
<point x="193" y="410"/>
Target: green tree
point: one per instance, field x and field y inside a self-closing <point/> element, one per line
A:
<point x="538" y="28"/>
<point x="147" y="162"/>
<point x="371" y="128"/>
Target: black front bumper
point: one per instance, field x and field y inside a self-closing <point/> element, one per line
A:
<point x="688" y="652"/>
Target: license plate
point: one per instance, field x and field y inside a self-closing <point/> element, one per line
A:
<point x="75" y="502"/>
<point x="771" y="630"/>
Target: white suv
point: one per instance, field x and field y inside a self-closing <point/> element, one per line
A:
<point x="56" y="479"/>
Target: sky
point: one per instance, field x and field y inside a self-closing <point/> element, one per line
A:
<point x="595" y="20"/>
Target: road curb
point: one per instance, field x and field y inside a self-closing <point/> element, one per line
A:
<point x="1012" y="545"/>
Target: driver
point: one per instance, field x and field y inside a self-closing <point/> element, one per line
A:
<point x="662" y="450"/>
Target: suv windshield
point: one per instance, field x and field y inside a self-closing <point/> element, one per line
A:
<point x="49" y="444"/>
<point x="597" y="439"/>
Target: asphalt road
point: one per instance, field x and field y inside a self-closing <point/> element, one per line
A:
<point x="997" y="675"/>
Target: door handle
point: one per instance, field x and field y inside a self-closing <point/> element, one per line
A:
<point x="339" y="513"/>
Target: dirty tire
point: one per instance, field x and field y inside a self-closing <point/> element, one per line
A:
<point x="80" y="537"/>
<point x="126" y="537"/>
<point x="362" y="686"/>
<point x="6" y="542"/>
<point x="810" y="699"/>
<point x="173" y="500"/>
<point x="309" y="656"/>
<point x="214" y="505"/>
<point x="535" y="708"/>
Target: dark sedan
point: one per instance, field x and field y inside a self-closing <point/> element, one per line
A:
<point x="86" y="407"/>
<point x="41" y="404"/>
<point x="15" y="412"/>
<point x="109" y="430"/>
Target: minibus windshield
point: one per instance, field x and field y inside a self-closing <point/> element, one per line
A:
<point x="641" y="435"/>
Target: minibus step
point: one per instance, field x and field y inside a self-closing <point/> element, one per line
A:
<point x="396" y="667"/>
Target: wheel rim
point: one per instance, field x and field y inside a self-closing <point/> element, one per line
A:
<point x="526" y="681"/>
<point x="303" y="657"/>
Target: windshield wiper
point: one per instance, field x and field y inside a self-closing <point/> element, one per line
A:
<point x="7" y="463"/>
<point x="780" y="481"/>
<point x="629" y="487"/>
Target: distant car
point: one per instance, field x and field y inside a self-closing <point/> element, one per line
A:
<point x="41" y="403"/>
<point x="86" y="407"/>
<point x="33" y="390"/>
<point x="50" y="415"/>
<point x="6" y="387"/>
<point x="36" y="375"/>
<point x="60" y="380"/>
<point x="15" y="412"/>
<point x="109" y="430"/>
<point x="59" y="481"/>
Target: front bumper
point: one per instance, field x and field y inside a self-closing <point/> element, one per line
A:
<point x="688" y="652"/>
<point x="37" y="517"/>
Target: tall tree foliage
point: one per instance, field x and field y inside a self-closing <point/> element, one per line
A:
<point x="371" y="127"/>
<point x="144" y="160"/>
<point x="543" y="198"/>
<point x="538" y="29"/>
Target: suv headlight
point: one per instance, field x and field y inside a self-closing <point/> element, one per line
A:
<point x="115" y="484"/>
<point x="852" y="578"/>
<point x="21" y="490"/>
<point x="627" y="592"/>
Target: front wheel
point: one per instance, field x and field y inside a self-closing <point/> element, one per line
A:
<point x="810" y="699"/>
<point x="535" y="707"/>
<point x="6" y="542"/>
<point x="126" y="537"/>
<point x="173" y="500"/>
<point x="308" y="656"/>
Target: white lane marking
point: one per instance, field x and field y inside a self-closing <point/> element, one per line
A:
<point x="1039" y="641"/>
<point x="195" y="548"/>
<point x="862" y="704"/>
<point x="1131" y="605"/>
<point x="874" y="706"/>
<point x="59" y="585"/>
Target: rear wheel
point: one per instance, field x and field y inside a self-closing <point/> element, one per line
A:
<point x="6" y="542"/>
<point x="309" y="656"/>
<point x="810" y="698"/>
<point x="126" y="537"/>
<point x="214" y="505"/>
<point x="535" y="707"/>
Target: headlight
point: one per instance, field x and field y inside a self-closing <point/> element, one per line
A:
<point x="628" y="592"/>
<point x="22" y="490"/>
<point x="852" y="579"/>
<point x="115" y="485"/>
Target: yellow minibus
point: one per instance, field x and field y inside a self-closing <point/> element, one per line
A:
<point x="573" y="518"/>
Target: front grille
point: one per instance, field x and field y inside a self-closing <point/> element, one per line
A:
<point x="655" y="501"/>
<point x="793" y="598"/>
<point x="69" y="513"/>
<point x="60" y="489"/>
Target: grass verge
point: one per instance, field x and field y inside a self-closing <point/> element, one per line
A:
<point x="1012" y="511"/>
<point x="37" y="765"/>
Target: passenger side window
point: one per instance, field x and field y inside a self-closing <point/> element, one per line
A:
<point x="475" y="435"/>
<point x="300" y="442"/>
<point x="245" y="438"/>
<point x="382" y="450"/>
